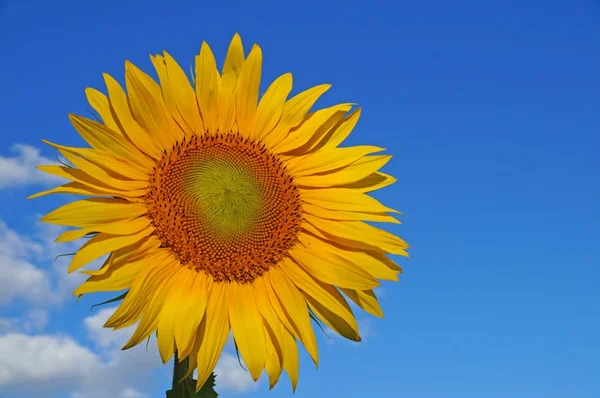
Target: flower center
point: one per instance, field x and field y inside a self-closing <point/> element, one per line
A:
<point x="225" y="206"/>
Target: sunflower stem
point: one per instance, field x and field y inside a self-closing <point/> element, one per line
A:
<point x="180" y="369"/>
<point x="185" y="386"/>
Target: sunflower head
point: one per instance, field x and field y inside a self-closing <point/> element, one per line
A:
<point x="225" y="205"/>
<point x="220" y="212"/>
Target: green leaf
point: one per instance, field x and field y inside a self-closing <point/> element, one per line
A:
<point x="64" y="255"/>
<point x="208" y="389"/>
<point x="112" y="300"/>
<point x="186" y="389"/>
<point x="316" y="320"/>
<point x="237" y="352"/>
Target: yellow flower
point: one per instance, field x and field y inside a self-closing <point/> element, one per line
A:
<point x="222" y="212"/>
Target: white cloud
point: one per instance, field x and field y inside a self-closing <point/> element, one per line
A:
<point x="19" y="276"/>
<point x="131" y="393"/>
<point x="380" y="292"/>
<point x="19" y="170"/>
<point x="55" y="362"/>
<point x="6" y="325"/>
<point x="33" y="321"/>
<point x="125" y="393"/>
<point x="105" y="338"/>
<point x="231" y="376"/>
<point x="22" y="277"/>
<point x="365" y="328"/>
<point x="121" y="370"/>
<point x="43" y="360"/>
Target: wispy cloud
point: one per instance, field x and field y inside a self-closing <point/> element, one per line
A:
<point x="64" y="364"/>
<point x="19" y="169"/>
<point x="98" y="370"/>
<point x="32" y="321"/>
<point x="232" y="377"/>
<point x="19" y="276"/>
<point x="29" y="270"/>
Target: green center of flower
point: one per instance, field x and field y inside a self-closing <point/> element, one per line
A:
<point x="225" y="206"/>
<point x="228" y="197"/>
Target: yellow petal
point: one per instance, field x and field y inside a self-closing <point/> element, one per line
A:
<point x="383" y="257"/>
<point x="149" y="108"/>
<point x="273" y="330"/>
<point x="119" y="277"/>
<point x="192" y="310"/>
<point x="168" y="93"/>
<point x="278" y="320"/>
<point x="347" y="215"/>
<point x="340" y="132"/>
<point x="369" y="235"/>
<point x="270" y="315"/>
<point x="313" y="144"/>
<point x="332" y="320"/>
<point x="327" y="160"/>
<point x="192" y="357"/>
<point x="130" y="128"/>
<point x="102" y="244"/>
<point x="231" y="71"/>
<point x="102" y="138"/>
<point x="77" y="188"/>
<point x="79" y="176"/>
<point x="294" y="111"/>
<point x="207" y="87"/>
<point x="246" y="96"/>
<point x="343" y="199"/>
<point x="74" y="188"/>
<point x="372" y="264"/>
<point x="366" y="300"/>
<point x="326" y="264"/>
<point x="104" y="160"/>
<point x="264" y="305"/>
<point x="247" y="327"/>
<point x="294" y="304"/>
<point x="150" y="317"/>
<point x="304" y="132"/>
<point x="226" y="113"/>
<point x="370" y="183"/>
<point x="376" y="252"/>
<point x="234" y="60"/>
<point x="103" y="268"/>
<point x="100" y="174"/>
<point x="96" y="211"/>
<point x="117" y="228"/>
<point x="171" y="314"/>
<point x="271" y="106"/>
<point x="342" y="319"/>
<point x="291" y="361"/>
<point x="185" y="97"/>
<point x="127" y="254"/>
<point x="352" y="173"/>
<point x="275" y="304"/>
<point x="213" y="332"/>
<point x="274" y="356"/>
<point x="142" y="289"/>
<point x="100" y="103"/>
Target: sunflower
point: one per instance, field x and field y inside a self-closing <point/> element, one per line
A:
<point x="221" y="212"/>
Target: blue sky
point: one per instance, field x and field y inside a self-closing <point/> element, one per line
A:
<point x="491" y="110"/>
